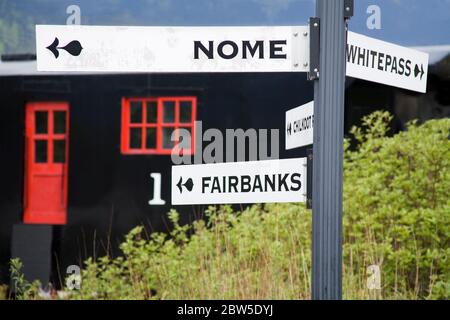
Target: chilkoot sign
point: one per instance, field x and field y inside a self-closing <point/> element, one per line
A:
<point x="299" y="126"/>
<point x="240" y="182"/>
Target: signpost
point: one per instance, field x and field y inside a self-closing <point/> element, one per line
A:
<point x="240" y="182"/>
<point x="382" y="62"/>
<point x="299" y="126"/>
<point x="172" y="49"/>
<point x="329" y="89"/>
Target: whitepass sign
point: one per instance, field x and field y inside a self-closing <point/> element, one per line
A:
<point x="383" y="62"/>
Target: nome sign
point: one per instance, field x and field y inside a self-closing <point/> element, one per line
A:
<point x="79" y="48"/>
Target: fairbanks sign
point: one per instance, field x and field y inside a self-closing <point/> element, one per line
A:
<point x="240" y="182"/>
<point x="172" y="49"/>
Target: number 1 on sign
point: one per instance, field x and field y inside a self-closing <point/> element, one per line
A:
<point x="156" y="201"/>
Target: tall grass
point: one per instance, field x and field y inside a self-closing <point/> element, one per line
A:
<point x="261" y="253"/>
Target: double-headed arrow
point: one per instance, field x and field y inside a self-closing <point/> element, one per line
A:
<point x="417" y="71"/>
<point x="289" y="129"/>
<point x="189" y="184"/>
<point x="74" y="48"/>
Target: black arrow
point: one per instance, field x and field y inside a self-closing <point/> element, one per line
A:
<point x="179" y="185"/>
<point x="73" y="47"/>
<point x="289" y="129"/>
<point x="189" y="184"/>
<point x="416" y="71"/>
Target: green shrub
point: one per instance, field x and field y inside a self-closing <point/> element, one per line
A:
<point x="397" y="208"/>
<point x="396" y="216"/>
<point x="24" y="290"/>
<point x="3" y="292"/>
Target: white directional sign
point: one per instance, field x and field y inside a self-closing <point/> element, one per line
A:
<point x="172" y="49"/>
<point x="299" y="126"/>
<point x="240" y="182"/>
<point x="387" y="63"/>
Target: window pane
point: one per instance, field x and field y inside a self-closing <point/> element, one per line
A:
<point x="150" y="142"/>
<point x="168" y="111"/>
<point x="135" y="138"/>
<point x="59" y="122"/>
<point x="185" y="112"/>
<point x="166" y="142"/>
<point x="41" y="121"/>
<point x="152" y="109"/>
<point x="40" y="151"/>
<point x="136" y="112"/>
<point x="59" y="151"/>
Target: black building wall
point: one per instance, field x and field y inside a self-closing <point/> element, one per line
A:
<point x="108" y="192"/>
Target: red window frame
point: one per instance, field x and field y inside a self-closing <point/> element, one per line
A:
<point x="159" y="125"/>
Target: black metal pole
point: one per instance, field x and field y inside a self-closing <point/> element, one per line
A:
<point x="329" y="90"/>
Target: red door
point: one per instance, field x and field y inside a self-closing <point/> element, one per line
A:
<point x="46" y="155"/>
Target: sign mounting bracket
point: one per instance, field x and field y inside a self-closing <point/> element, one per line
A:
<point x="314" y="48"/>
<point x="348" y="8"/>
